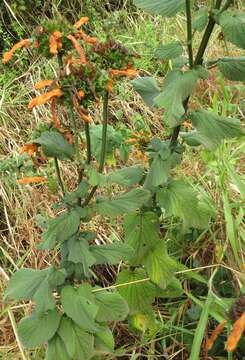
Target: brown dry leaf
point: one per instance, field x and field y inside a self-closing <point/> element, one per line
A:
<point x="218" y="330"/>
<point x="32" y="180"/>
<point x="55" y="118"/>
<point x="42" y="99"/>
<point x="9" y="54"/>
<point x="43" y="83"/>
<point x="236" y="333"/>
<point x="82" y="21"/>
<point x="29" y="148"/>
<point x="78" y="48"/>
<point x="55" y="42"/>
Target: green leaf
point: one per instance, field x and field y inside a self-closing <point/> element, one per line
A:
<point x="169" y="51"/>
<point x="127" y="176"/>
<point x="212" y="128"/>
<point x="180" y="199"/>
<point x="37" y="285"/>
<point x="55" y="145"/>
<point x="158" y="266"/>
<point x="36" y="330"/>
<point x="233" y="68"/>
<point x="163" y="160"/>
<point x="141" y="233"/>
<point x="177" y="87"/>
<point x="147" y="88"/>
<point x="200" y="19"/>
<point x="111" y="254"/>
<point x="232" y="23"/>
<point x="125" y="203"/>
<point x="161" y="7"/>
<point x="139" y="296"/>
<point x="79" y="344"/>
<point x="60" y="229"/>
<point x="79" y="252"/>
<point x="79" y="308"/>
<point x="145" y="323"/>
<point x="56" y="349"/>
<point x="112" y="306"/>
<point x="104" y="340"/>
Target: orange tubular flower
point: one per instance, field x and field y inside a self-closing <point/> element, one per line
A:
<point x="29" y="148"/>
<point x="78" y="48"/>
<point x="86" y="38"/>
<point x="55" y="43"/>
<point x="43" y="83"/>
<point x="110" y="85"/>
<point x="82" y="21"/>
<point x="236" y="333"/>
<point x="85" y="117"/>
<point x="21" y="44"/>
<point x="32" y="180"/>
<point x="127" y="72"/>
<point x="55" y="118"/>
<point x="42" y="99"/>
<point x="218" y="330"/>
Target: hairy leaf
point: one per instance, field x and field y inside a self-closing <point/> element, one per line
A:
<point x="36" y="330"/>
<point x="112" y="306"/>
<point x="111" y="254"/>
<point x="79" y="252"/>
<point x="169" y="51"/>
<point x="79" y="344"/>
<point x="147" y="88"/>
<point x="141" y="233"/>
<point x="177" y="87"/>
<point x="161" y="7"/>
<point x="233" y="68"/>
<point x="55" y="145"/>
<point x="104" y="340"/>
<point x="56" y="349"/>
<point x="125" y="203"/>
<point x="232" y="23"/>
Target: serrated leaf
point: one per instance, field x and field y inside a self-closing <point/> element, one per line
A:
<point x="112" y="306"/>
<point x="232" y="23"/>
<point x="233" y="68"/>
<point x="139" y="296"/>
<point x="56" y="349"/>
<point x="111" y="254"/>
<point x="36" y="330"/>
<point x="79" y="344"/>
<point x="180" y="199"/>
<point x="60" y="229"/>
<point x="147" y="88"/>
<point x="161" y="7"/>
<point x="141" y="233"/>
<point x="177" y="87"/>
<point x="200" y="19"/>
<point x="169" y="51"/>
<point x="125" y="203"/>
<point x="55" y="145"/>
<point x="79" y="308"/>
<point x="37" y="285"/>
<point x="104" y="340"/>
<point x="158" y="266"/>
<point x="211" y="128"/>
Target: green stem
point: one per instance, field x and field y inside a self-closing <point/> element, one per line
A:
<point x="88" y="141"/>
<point x="189" y="32"/>
<point x="103" y="145"/>
<point x="57" y="169"/>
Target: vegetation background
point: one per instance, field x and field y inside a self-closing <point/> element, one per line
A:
<point x="221" y="174"/>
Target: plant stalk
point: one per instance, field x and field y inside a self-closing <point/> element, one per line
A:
<point x="189" y="33"/>
<point x="103" y="145"/>
<point x="58" y="173"/>
<point x="88" y="143"/>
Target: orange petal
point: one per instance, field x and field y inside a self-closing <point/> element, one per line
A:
<point x="32" y="180"/>
<point x="55" y="118"/>
<point x="81" y="94"/>
<point x="29" y="148"/>
<point x="42" y="99"/>
<point x="78" y="48"/>
<point x="55" y="42"/>
<point x="82" y="21"/>
<point x="21" y="44"/>
<point x="218" y="330"/>
<point x="43" y="83"/>
<point x="236" y="333"/>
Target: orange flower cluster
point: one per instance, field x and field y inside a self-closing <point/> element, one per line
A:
<point x="55" y="42"/>
<point x="218" y="330"/>
<point x="31" y="149"/>
<point x="43" y="99"/>
<point x="78" y="48"/>
<point x="32" y="180"/>
<point x="132" y="73"/>
<point x="82" y="112"/>
<point x="86" y="38"/>
<point x="43" y="83"/>
<point x="82" y="21"/>
<point x="236" y="333"/>
<point x="9" y="54"/>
